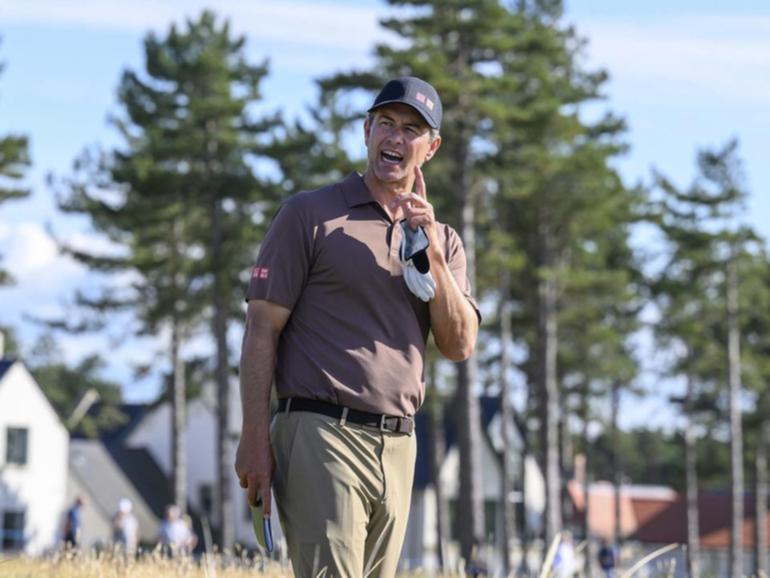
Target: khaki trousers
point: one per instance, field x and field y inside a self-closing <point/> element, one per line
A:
<point x="343" y="494"/>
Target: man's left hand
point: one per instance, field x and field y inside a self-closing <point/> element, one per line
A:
<point x="418" y="212"/>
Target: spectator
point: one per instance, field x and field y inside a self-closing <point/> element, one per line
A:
<point x="175" y="535"/>
<point x="73" y="523"/>
<point x="607" y="561"/>
<point x="125" y="528"/>
<point x="564" y="562"/>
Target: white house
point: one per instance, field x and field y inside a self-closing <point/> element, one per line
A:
<point x="421" y="547"/>
<point x="33" y="463"/>
<point x="153" y="433"/>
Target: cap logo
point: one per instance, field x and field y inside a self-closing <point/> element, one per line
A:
<point x="429" y="103"/>
<point x="420" y="97"/>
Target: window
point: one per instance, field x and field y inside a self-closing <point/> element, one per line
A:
<point x="13" y="531"/>
<point x="491" y="509"/>
<point x="205" y="498"/>
<point x="16" y="445"/>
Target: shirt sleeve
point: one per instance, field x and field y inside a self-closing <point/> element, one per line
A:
<point x="283" y="263"/>
<point x="455" y="256"/>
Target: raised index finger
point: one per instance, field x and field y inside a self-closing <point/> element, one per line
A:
<point x="419" y="183"/>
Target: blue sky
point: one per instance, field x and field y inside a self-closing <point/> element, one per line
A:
<point x="684" y="74"/>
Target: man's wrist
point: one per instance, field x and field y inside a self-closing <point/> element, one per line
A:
<point x="436" y="255"/>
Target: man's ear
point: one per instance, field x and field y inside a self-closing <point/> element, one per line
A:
<point x="367" y="127"/>
<point x="434" y="146"/>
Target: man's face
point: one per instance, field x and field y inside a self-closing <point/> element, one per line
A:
<point x="397" y="140"/>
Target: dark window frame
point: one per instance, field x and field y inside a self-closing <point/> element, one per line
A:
<point x="206" y="498"/>
<point x="11" y="532"/>
<point x="14" y="455"/>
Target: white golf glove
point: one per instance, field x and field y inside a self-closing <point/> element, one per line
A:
<point x="415" y="263"/>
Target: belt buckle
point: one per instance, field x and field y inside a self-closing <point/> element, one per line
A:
<point x="383" y="417"/>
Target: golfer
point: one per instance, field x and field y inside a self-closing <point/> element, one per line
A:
<point x="350" y="280"/>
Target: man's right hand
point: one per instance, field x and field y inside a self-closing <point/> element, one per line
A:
<point x="254" y="462"/>
<point x="254" y="465"/>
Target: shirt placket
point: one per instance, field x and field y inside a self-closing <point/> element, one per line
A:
<point x="395" y="244"/>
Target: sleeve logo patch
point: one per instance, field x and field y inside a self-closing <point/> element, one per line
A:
<point x="259" y="273"/>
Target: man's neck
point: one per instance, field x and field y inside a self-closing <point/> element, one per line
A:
<point x="383" y="192"/>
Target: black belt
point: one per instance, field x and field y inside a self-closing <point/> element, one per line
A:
<point x="383" y="422"/>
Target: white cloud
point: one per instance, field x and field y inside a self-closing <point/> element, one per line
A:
<point x="699" y="56"/>
<point x="28" y="250"/>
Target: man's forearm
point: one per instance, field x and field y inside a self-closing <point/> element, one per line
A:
<point x="453" y="321"/>
<point x="256" y="377"/>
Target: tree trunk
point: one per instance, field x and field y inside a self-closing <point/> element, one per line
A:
<point x="586" y="481"/>
<point x="549" y="387"/>
<point x="691" y="488"/>
<point x="470" y="500"/>
<point x="736" y="434"/>
<point x="437" y="455"/>
<point x="760" y="504"/>
<point x="506" y="413"/>
<point x="219" y="323"/>
<point x="525" y="530"/>
<point x="178" y="420"/>
<point x="566" y="461"/>
<point x="471" y="503"/>
<point x="617" y="467"/>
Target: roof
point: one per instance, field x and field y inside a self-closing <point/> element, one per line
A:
<point x="141" y="469"/>
<point x="5" y="365"/>
<point x="601" y="508"/>
<point x="658" y="514"/>
<point x="670" y="524"/>
<point x="117" y="433"/>
<point x="489" y="407"/>
<point x="107" y="484"/>
<point x="422" y="474"/>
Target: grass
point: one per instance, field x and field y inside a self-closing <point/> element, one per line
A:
<point x="106" y="565"/>
<point x="154" y="565"/>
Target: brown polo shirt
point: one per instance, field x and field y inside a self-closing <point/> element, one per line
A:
<point x="356" y="335"/>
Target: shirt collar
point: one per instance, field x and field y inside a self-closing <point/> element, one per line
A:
<point x="355" y="191"/>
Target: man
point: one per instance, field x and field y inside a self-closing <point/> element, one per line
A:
<point x="125" y="528"/>
<point x="174" y="533"/>
<point x="607" y="559"/>
<point x="340" y="314"/>
<point x="564" y="561"/>
<point x="73" y="522"/>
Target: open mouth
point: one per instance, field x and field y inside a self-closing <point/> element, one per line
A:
<point x="391" y="157"/>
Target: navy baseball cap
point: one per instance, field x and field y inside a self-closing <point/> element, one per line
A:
<point x="416" y="93"/>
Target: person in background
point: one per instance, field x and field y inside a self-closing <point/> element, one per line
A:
<point x="174" y="535"/>
<point x="607" y="559"/>
<point x="564" y="562"/>
<point x="73" y="523"/>
<point x="125" y="528"/>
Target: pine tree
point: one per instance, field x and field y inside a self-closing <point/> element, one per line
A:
<point x="755" y="354"/>
<point x="560" y="200"/>
<point x="698" y="296"/>
<point x="183" y="203"/>
<point x="14" y="161"/>
<point x="313" y="154"/>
